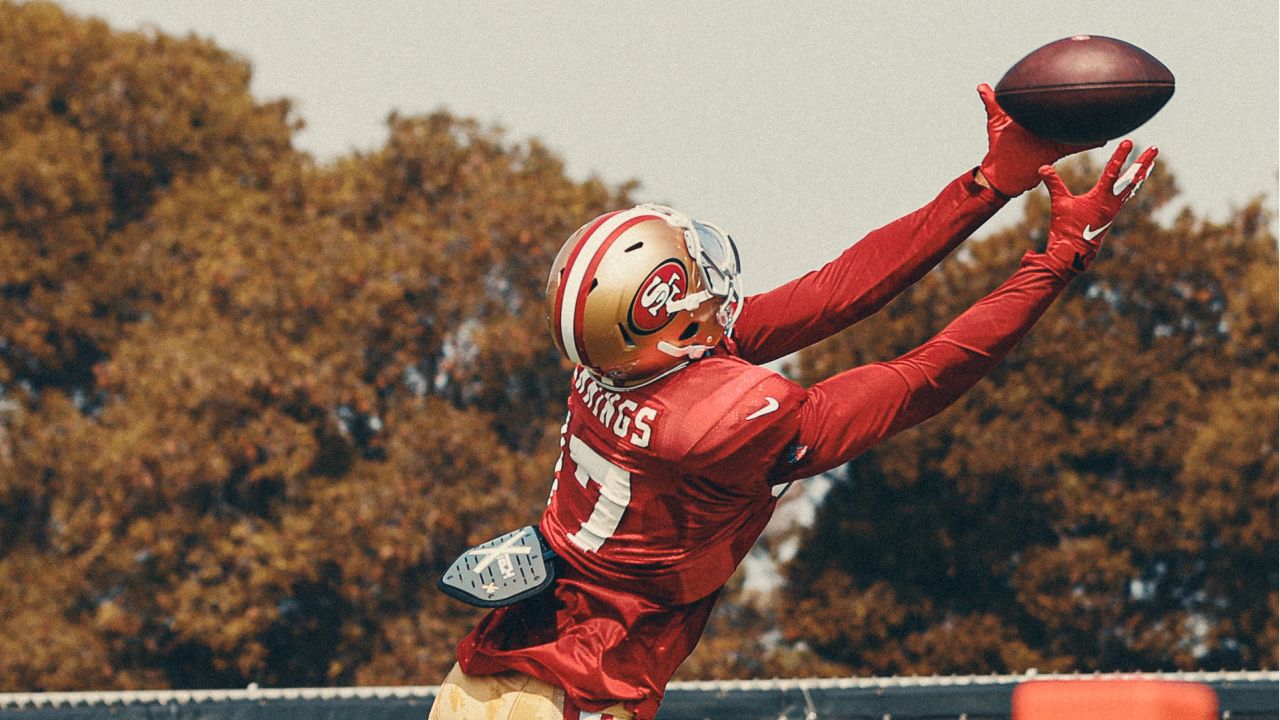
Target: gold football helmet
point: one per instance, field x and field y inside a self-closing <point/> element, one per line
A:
<point x="637" y="294"/>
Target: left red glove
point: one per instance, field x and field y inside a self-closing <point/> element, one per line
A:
<point x="1080" y="221"/>
<point x="1014" y="155"/>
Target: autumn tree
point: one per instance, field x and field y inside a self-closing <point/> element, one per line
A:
<point x="252" y="406"/>
<point x="1104" y="500"/>
<point x="94" y="126"/>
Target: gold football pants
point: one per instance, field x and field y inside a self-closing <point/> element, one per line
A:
<point x="508" y="696"/>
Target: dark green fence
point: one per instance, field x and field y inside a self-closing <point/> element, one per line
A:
<point x="1241" y="695"/>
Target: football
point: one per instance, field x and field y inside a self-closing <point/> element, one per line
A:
<point x="1085" y="89"/>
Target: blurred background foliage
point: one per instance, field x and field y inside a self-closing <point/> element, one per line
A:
<point x="251" y="406"/>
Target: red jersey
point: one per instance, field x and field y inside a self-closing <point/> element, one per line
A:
<point x="660" y="491"/>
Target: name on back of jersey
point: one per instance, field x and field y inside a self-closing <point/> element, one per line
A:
<point x="625" y="418"/>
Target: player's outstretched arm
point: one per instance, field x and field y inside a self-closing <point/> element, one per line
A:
<point x="843" y="416"/>
<point x="889" y="260"/>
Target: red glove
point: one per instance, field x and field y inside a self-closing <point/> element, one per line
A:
<point x="1080" y="221"/>
<point x="1014" y="155"/>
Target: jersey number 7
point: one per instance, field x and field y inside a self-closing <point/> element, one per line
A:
<point x="615" y="494"/>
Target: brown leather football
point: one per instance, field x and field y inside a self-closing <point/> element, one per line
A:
<point x="1085" y="89"/>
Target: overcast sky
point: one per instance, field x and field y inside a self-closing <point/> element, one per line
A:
<point x="796" y="126"/>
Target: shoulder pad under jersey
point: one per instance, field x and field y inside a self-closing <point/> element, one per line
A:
<point x="725" y="408"/>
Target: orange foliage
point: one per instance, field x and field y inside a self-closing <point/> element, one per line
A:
<point x="1105" y="500"/>
<point x="252" y="407"/>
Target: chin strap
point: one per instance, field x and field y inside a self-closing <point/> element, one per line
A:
<point x="689" y="352"/>
<point x="693" y="352"/>
<point x="611" y="385"/>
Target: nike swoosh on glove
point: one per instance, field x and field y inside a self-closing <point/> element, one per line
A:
<point x="1014" y="155"/>
<point x="1081" y="221"/>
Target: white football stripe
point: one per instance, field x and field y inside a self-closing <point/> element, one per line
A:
<point x="1127" y="179"/>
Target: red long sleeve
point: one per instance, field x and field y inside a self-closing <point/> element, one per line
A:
<point x="865" y="277"/>
<point x="843" y="416"/>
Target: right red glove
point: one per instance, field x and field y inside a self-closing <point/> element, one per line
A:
<point x="1080" y="221"/>
<point x="1014" y="155"/>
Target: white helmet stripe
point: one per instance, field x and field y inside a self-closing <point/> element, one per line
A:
<point x="575" y="276"/>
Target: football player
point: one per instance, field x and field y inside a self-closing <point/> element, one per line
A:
<point x="678" y="442"/>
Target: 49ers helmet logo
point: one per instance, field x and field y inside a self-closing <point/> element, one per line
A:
<point x="648" y="312"/>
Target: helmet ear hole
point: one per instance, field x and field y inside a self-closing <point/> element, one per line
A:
<point x="689" y="331"/>
<point x="626" y="337"/>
